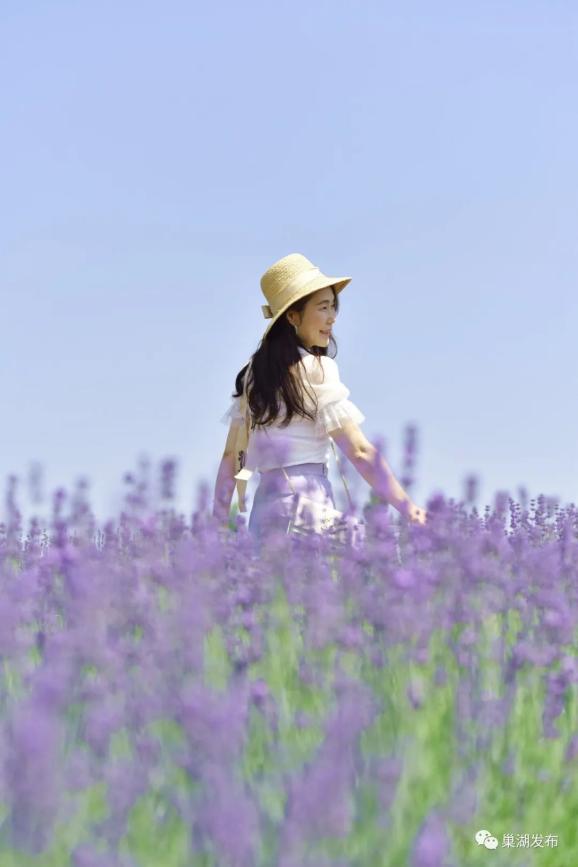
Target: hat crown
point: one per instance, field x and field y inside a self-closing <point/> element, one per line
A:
<point x="282" y="273"/>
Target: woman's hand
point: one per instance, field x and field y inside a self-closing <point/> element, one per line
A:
<point x="414" y="513"/>
<point x="221" y="518"/>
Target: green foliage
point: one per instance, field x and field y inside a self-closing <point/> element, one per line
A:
<point x="217" y="666"/>
<point x="156" y="834"/>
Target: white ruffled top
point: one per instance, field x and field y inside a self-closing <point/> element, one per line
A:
<point x="303" y="440"/>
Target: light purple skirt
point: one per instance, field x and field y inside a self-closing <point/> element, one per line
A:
<point x="274" y="502"/>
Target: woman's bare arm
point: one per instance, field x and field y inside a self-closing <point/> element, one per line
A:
<point x="374" y="469"/>
<point x="225" y="484"/>
<point x="224" y="488"/>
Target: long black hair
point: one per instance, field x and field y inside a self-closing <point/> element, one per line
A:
<point x="271" y="374"/>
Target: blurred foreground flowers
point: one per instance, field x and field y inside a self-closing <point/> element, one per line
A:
<point x="168" y="698"/>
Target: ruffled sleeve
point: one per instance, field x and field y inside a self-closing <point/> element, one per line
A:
<point x="234" y="412"/>
<point x="333" y="405"/>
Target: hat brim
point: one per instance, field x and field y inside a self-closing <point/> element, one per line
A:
<point x="317" y="283"/>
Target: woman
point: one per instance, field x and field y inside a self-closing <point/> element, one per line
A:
<point x="292" y="364"/>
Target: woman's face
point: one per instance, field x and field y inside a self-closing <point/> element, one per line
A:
<point x="315" y="322"/>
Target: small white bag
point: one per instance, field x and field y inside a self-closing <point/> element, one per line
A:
<point x="310" y="514"/>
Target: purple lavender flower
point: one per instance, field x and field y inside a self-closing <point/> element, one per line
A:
<point x="230" y="818"/>
<point x="168" y="477"/>
<point x="432" y="844"/>
<point x="32" y="774"/>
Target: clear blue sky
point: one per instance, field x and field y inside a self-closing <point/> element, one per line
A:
<point x="157" y="158"/>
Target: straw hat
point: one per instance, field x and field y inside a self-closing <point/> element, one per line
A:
<point x="289" y="279"/>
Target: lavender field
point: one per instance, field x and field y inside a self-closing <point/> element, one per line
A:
<point x="170" y="699"/>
